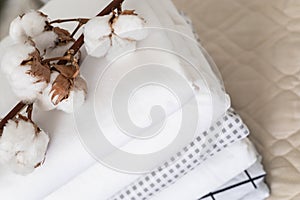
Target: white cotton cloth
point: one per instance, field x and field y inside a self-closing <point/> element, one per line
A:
<point x="211" y="105"/>
<point x="261" y="193"/>
<point x="99" y="182"/>
<point x="212" y="174"/>
<point x="67" y="157"/>
<point x="248" y="185"/>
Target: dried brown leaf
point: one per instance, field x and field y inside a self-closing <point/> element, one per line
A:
<point x="38" y="70"/>
<point x="64" y="37"/>
<point x="80" y="84"/>
<point x="68" y="71"/>
<point x="60" y="89"/>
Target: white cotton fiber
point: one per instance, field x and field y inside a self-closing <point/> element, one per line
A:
<point x="103" y="37"/>
<point x="29" y="25"/>
<point x="33" y="23"/>
<point x="25" y="86"/>
<point x="130" y="27"/>
<point x="76" y="97"/>
<point x="14" y="55"/>
<point x="44" y="101"/>
<point x="68" y="105"/>
<point x="22" y="146"/>
<point x="16" y="31"/>
<point x="98" y="27"/>
<point x="97" y="36"/>
<point x="45" y="41"/>
<point x="97" y="48"/>
<point x="120" y="46"/>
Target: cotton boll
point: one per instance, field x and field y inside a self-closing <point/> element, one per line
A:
<point x="68" y="105"/>
<point x="130" y="27"/>
<point x="76" y="97"/>
<point x="16" y="31"/>
<point x="44" y="101"/>
<point x="98" y="27"/>
<point x="33" y="23"/>
<point x="44" y="41"/>
<point x="97" y="48"/>
<point x="14" y="55"/>
<point x="26" y="87"/>
<point x="97" y="36"/>
<point x="119" y="47"/>
<point x="25" y="161"/>
<point x="14" y="139"/>
<point x="22" y="146"/>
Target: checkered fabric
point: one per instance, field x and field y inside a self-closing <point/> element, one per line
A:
<point x="225" y="131"/>
<point x="244" y="184"/>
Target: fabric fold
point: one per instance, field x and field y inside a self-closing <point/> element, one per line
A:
<point x="224" y="132"/>
<point x="239" y="154"/>
<point x="249" y="184"/>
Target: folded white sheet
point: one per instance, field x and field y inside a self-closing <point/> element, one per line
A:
<point x="212" y="174"/>
<point x="99" y="182"/>
<point x="261" y="193"/>
<point x="66" y="157"/>
<point x="249" y="184"/>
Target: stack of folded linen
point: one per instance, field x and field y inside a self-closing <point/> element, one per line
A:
<point x="218" y="163"/>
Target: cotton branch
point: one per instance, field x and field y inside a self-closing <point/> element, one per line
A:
<point x="115" y="4"/>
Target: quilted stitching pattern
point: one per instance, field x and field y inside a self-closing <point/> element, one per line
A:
<point x="256" y="45"/>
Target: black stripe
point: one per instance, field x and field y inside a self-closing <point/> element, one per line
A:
<point x="212" y="196"/>
<point x="252" y="181"/>
<point x="232" y="186"/>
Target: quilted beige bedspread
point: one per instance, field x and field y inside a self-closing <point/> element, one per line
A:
<point x="256" y="45"/>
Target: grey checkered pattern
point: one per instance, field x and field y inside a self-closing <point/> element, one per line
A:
<point x="224" y="132"/>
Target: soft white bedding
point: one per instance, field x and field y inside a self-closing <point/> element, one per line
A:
<point x="66" y="156"/>
<point x="248" y="185"/>
<point x="99" y="181"/>
<point x="212" y="174"/>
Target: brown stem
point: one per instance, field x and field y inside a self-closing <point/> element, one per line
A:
<point x="65" y="58"/>
<point x="75" y="47"/>
<point x="80" y="20"/>
<point x="16" y="110"/>
<point x="29" y="111"/>
<point x="76" y="29"/>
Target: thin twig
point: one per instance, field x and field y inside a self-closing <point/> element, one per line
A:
<point x="16" y="110"/>
<point x="65" y="58"/>
<point x="76" y="29"/>
<point x="75" y="47"/>
<point x="81" y="20"/>
<point x="29" y="111"/>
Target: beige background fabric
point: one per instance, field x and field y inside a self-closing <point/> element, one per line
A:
<point x="256" y="45"/>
